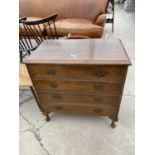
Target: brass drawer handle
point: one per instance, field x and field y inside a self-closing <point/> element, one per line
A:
<point x="99" y="73"/>
<point x="54" y="85"/>
<point x="59" y="107"/>
<point x="56" y="97"/>
<point x="97" y="98"/>
<point x="96" y="110"/>
<point x="51" y="72"/>
<point x="98" y="86"/>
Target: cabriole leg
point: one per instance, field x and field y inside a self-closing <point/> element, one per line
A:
<point x="114" y="120"/>
<point x="47" y="116"/>
<point x="113" y="125"/>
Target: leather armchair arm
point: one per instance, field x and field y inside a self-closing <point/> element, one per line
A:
<point x="101" y="20"/>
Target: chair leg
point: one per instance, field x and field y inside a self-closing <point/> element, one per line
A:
<point x="21" y="57"/>
<point x="113" y="25"/>
<point x="28" y="52"/>
<point x="111" y="20"/>
<point x="113" y="14"/>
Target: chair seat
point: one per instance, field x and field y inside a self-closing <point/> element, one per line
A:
<point x="24" y="78"/>
<point x="77" y="27"/>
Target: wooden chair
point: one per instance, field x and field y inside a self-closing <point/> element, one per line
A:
<point x="33" y="33"/>
<point x="23" y="42"/>
<point x="25" y="81"/>
<point x="24" y="78"/>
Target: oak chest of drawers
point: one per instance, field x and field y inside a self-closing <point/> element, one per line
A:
<point x="79" y="76"/>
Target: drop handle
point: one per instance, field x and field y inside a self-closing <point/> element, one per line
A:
<point x="51" y="72"/>
<point x="54" y="85"/>
<point x="99" y="73"/>
<point x="96" y="110"/>
<point x="59" y="107"/>
<point x="56" y="97"/>
<point x="98" y="86"/>
<point x="97" y="98"/>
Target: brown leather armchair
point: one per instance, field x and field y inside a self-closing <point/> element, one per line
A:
<point x="77" y="17"/>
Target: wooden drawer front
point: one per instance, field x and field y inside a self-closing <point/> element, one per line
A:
<point x="78" y="86"/>
<point x="78" y="72"/>
<point x="82" y="109"/>
<point x="74" y="98"/>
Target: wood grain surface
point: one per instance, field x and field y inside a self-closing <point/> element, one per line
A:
<point x="84" y="51"/>
<point x="79" y="76"/>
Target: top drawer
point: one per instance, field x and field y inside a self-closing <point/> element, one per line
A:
<point x="77" y="72"/>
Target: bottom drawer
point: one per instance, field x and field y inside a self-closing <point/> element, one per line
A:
<point x="81" y="109"/>
<point x="78" y="98"/>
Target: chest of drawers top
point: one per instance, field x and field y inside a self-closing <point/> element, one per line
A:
<point x="83" y="51"/>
